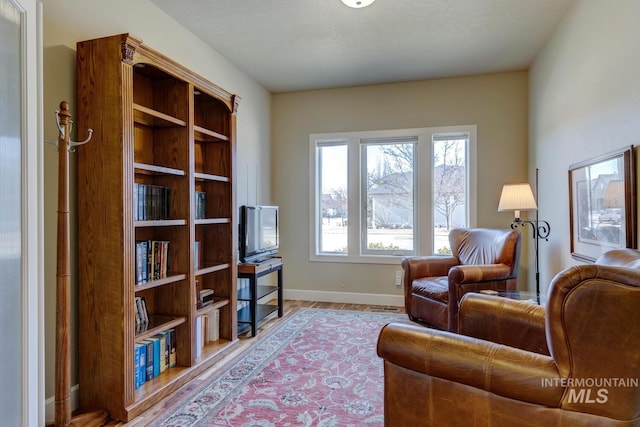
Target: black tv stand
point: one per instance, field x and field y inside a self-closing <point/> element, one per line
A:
<point x="255" y="312"/>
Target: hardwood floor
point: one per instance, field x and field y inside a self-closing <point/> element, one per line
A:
<point x="290" y="306"/>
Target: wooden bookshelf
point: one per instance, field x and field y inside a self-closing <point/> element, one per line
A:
<point x="159" y="124"/>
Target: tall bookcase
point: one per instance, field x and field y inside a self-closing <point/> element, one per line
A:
<point x="156" y="125"/>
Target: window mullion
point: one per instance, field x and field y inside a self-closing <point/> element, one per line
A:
<point x="424" y="195"/>
<point x="354" y="190"/>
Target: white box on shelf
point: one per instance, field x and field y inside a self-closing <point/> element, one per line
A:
<point x="214" y="325"/>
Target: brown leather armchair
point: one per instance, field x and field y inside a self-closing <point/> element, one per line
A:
<point x="590" y="377"/>
<point x="481" y="259"/>
<point x="517" y="323"/>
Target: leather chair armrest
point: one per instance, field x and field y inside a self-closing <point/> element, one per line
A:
<point x="479" y="273"/>
<point x="505" y="321"/>
<point x="427" y="266"/>
<point x="506" y="371"/>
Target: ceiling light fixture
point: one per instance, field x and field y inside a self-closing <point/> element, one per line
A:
<point x="357" y="4"/>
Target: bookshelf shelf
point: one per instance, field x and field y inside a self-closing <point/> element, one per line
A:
<point x="211" y="269"/>
<point x="159" y="323"/>
<point x="212" y="221"/>
<point x="208" y="177"/>
<point x="160" y="223"/>
<point x="217" y="303"/>
<point x="212" y="350"/>
<point x="206" y="135"/>
<point x="170" y="143"/>
<point x="153" y="169"/>
<point x="150" y="117"/>
<point x="160" y="282"/>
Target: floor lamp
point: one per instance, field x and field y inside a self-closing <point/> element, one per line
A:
<point x="519" y="197"/>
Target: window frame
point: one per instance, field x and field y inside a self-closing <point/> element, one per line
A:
<point x="423" y="181"/>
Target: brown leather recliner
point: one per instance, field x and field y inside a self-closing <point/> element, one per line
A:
<point x="590" y="378"/>
<point x="518" y="323"/>
<point x="481" y="259"/>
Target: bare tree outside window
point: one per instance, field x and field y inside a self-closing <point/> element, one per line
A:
<point x="389" y="197"/>
<point x="449" y="189"/>
<point x="333" y="226"/>
<point x="448" y="178"/>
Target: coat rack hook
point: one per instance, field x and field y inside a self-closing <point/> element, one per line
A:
<point x="64" y="128"/>
<point x="60" y="126"/>
<point x="74" y="144"/>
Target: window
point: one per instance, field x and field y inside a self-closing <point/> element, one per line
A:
<point x="388" y="196"/>
<point x="449" y="189"/>
<point x="333" y="197"/>
<point x="379" y="195"/>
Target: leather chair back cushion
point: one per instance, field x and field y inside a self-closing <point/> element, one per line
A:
<point x="621" y="257"/>
<point x="485" y="246"/>
<point x="599" y="309"/>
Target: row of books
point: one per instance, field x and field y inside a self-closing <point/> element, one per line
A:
<point x="200" y="204"/>
<point x="152" y="260"/>
<point x="151" y="202"/>
<point x="207" y="329"/>
<point x="154" y="356"/>
<point x="142" y="314"/>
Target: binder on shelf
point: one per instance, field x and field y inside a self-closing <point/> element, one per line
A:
<point x="200" y="201"/>
<point x="214" y="325"/>
<point x="196" y="255"/>
<point x="139" y="355"/>
<point x="172" y="348"/>
<point x="198" y="336"/>
<point x="163" y="353"/>
<point x="149" y="359"/>
<point x="156" y="355"/>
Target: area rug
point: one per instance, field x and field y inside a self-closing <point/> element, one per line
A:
<point x="317" y="368"/>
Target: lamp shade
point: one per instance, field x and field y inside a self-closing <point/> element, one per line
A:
<point x="517" y="197"/>
<point x="357" y="3"/>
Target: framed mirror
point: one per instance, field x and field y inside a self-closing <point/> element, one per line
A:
<point x="602" y="194"/>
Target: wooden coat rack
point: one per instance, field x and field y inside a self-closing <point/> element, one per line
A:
<point x="63" y="276"/>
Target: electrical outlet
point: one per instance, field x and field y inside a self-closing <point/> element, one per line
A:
<point x="398" y="278"/>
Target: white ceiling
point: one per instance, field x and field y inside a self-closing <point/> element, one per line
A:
<point x="290" y="45"/>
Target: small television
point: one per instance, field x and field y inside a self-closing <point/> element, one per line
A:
<point x="259" y="232"/>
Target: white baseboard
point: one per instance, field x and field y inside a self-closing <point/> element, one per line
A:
<point x="344" y="297"/>
<point x="50" y="405"/>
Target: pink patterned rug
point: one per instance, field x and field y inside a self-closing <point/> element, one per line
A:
<point x="317" y="368"/>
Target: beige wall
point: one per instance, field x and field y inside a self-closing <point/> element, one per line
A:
<point x="584" y="101"/>
<point x="496" y="103"/>
<point x="69" y="21"/>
